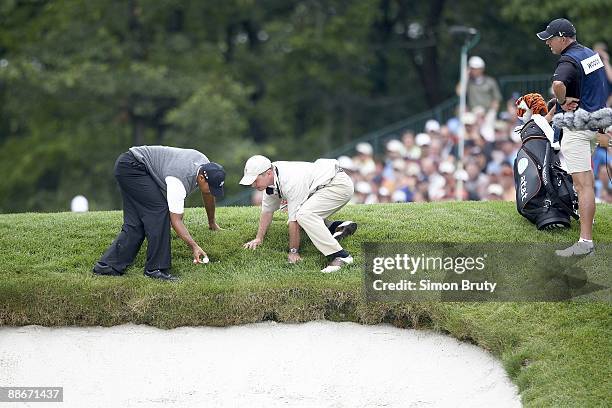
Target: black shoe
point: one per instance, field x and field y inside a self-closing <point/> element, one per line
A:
<point x="105" y="270"/>
<point x="160" y="274"/>
<point x="344" y="230"/>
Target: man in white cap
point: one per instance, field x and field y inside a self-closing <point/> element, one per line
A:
<point x="313" y="192"/>
<point x="364" y="160"/>
<point x="482" y="90"/>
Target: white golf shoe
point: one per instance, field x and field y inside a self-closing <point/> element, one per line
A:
<point x="337" y="264"/>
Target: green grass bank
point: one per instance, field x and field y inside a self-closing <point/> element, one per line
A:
<point x="558" y="353"/>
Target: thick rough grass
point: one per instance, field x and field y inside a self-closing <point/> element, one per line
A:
<point x="557" y="353"/>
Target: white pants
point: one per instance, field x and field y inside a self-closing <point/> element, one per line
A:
<point x="577" y="147"/>
<point x="323" y="203"/>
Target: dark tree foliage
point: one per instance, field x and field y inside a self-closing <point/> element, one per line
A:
<point x="83" y="80"/>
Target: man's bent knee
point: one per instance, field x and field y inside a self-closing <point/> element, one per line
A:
<point x="303" y="217"/>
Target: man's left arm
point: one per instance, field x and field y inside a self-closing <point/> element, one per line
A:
<point x="566" y="73"/>
<point x="209" y="205"/>
<point x="295" y="197"/>
<point x="294" y="242"/>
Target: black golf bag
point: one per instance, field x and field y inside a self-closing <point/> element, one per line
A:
<point x="545" y="193"/>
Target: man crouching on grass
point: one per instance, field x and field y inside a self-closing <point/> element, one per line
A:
<point x="154" y="182"/>
<point x="313" y="192"/>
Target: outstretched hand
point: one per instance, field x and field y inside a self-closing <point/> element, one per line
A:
<point x="253" y="244"/>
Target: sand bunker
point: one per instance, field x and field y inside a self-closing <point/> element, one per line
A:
<point x="317" y="364"/>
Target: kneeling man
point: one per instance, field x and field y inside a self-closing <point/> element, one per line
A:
<point x="313" y="192"/>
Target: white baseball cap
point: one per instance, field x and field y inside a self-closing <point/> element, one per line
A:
<point x="446" y="167"/>
<point x="469" y="118"/>
<point x="432" y="125"/>
<point x="476" y="62"/>
<point x="364" y="148"/>
<point x="254" y="167"/>
<point x="346" y="163"/>
<point x="399" y="196"/>
<point x="395" y="146"/>
<point x="495" y="189"/>
<point x="423" y="139"/>
<point x="363" y="187"/>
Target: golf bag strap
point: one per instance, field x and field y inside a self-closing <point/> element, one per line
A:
<point x="528" y="138"/>
<point x="549" y="188"/>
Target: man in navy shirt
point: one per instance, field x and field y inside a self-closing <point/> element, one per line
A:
<point x="578" y="82"/>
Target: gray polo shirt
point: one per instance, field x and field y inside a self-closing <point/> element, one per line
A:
<point x="164" y="161"/>
<point x="482" y="92"/>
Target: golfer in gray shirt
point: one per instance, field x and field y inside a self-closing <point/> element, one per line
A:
<point x="154" y="182"/>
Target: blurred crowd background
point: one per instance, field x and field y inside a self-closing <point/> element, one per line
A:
<point x="422" y="165"/>
<point x="81" y="81"/>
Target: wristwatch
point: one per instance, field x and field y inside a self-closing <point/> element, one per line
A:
<point x="560" y="103"/>
<point x="293" y="250"/>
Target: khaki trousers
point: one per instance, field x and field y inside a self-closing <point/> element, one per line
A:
<point x="323" y="203"/>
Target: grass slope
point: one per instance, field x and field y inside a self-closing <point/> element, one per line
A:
<point x="557" y="353"/>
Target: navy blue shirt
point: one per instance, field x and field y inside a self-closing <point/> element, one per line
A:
<point x="567" y="72"/>
<point x="582" y="71"/>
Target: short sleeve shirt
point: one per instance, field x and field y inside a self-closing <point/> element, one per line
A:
<point x="567" y="72"/>
<point x="296" y="182"/>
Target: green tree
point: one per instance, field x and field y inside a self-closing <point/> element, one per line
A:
<point x="83" y="80"/>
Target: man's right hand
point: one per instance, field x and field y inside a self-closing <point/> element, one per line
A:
<point x="570" y="104"/>
<point x="293" y="258"/>
<point x="252" y="244"/>
<point x="199" y="255"/>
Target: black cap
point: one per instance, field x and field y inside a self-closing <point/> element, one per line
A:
<point x="215" y="177"/>
<point x="559" y="27"/>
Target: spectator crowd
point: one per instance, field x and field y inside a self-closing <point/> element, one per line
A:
<point x="423" y="166"/>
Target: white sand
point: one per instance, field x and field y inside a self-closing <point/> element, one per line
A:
<point x="317" y="364"/>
